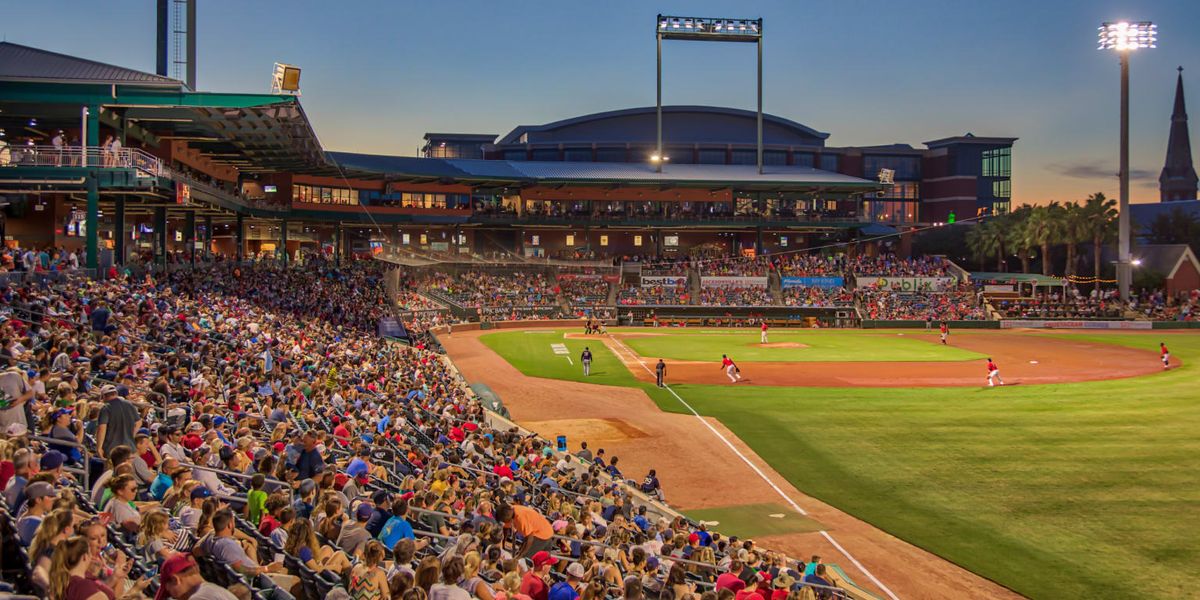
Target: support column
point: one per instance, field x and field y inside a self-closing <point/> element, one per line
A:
<point x="160" y="228"/>
<point x="339" y="236"/>
<point x="208" y="237"/>
<point x="240" y="237"/>
<point x="92" y="138"/>
<point x="759" y="250"/>
<point x="119" y="234"/>
<point x="283" y="240"/>
<point x="189" y="235"/>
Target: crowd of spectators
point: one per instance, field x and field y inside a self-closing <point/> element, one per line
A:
<point x="487" y="290"/>
<point x="809" y="296"/>
<point x="1158" y="305"/>
<point x="345" y="465"/>
<point x="890" y="265"/>
<point x="745" y="267"/>
<point x="733" y="295"/>
<point x="583" y="290"/>
<point x="666" y="295"/>
<point x="1067" y="304"/>
<point x="879" y="305"/>
<point x="809" y="265"/>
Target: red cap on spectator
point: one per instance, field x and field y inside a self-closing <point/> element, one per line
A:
<point x="279" y="446"/>
<point x="176" y="564"/>
<point x="542" y="559"/>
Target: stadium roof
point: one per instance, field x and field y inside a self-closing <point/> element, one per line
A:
<point x="1017" y="277"/>
<point x="514" y="136"/>
<point x="22" y="63"/>
<point x="1165" y="259"/>
<point x="503" y="172"/>
<point x="970" y="138"/>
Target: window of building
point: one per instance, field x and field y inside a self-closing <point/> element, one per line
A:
<point x="570" y="239"/>
<point x="578" y="154"/>
<point x="906" y="190"/>
<point x="804" y="159"/>
<point x="424" y="239"/>
<point x="745" y="157"/>
<point x="545" y="154"/>
<point x="324" y="195"/>
<point x="829" y="162"/>
<point x="1002" y="188"/>
<point x="405" y="239"/>
<point x="610" y="155"/>
<point x="514" y="155"/>
<point x="783" y="241"/>
<point x="535" y="240"/>
<point x="774" y="157"/>
<point x="997" y="162"/>
<point x="637" y="241"/>
<point x="906" y="167"/>
<point x="712" y="157"/>
<point x="1000" y="207"/>
<point x="604" y="240"/>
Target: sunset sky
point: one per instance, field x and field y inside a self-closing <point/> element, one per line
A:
<point x="377" y="75"/>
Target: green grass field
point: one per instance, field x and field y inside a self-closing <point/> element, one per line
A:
<point x="1083" y="490"/>
<point x="817" y="345"/>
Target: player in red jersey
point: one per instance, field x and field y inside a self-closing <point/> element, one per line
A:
<point x="1166" y="355"/>
<point x="945" y="332"/>
<point x="993" y="373"/>
<point x="731" y="369"/>
<point x="762" y="337"/>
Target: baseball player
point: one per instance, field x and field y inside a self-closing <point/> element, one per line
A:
<point x="1166" y="355"/>
<point x="586" y="359"/>
<point x="731" y="369"/>
<point x="762" y="336"/>
<point x="993" y="373"/>
<point x="660" y="370"/>
<point x="945" y="332"/>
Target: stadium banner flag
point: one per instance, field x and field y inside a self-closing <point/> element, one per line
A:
<point x="906" y="284"/>
<point x="1076" y="324"/>
<point x="733" y="281"/>
<point x="653" y="280"/>
<point x="825" y="283"/>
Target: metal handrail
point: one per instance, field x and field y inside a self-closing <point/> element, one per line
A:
<point x="282" y="484"/>
<point x="87" y="456"/>
<point x="85" y="156"/>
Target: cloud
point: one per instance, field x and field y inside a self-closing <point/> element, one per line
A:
<point x="1098" y="170"/>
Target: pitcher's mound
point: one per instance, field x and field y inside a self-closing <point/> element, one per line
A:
<point x="779" y="345"/>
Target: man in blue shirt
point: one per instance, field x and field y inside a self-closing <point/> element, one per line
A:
<point x="310" y="462"/>
<point x="398" y="528"/>
<point x="566" y="590"/>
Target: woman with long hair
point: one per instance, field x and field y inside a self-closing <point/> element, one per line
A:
<point x="155" y="540"/>
<point x="428" y="573"/>
<point x="510" y="587"/>
<point x="56" y="527"/>
<point x="368" y="580"/>
<point x="472" y="581"/>
<point x="302" y="543"/>
<point x="448" y="588"/>
<point x="68" y="573"/>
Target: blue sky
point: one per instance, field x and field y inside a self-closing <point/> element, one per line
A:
<point x="379" y="74"/>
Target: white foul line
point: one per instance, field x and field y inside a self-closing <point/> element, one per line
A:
<point x="569" y="360"/>
<point x="755" y="468"/>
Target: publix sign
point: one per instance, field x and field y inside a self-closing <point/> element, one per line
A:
<point x="908" y="284"/>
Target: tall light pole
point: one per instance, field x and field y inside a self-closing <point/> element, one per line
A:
<point x="1125" y="37"/>
<point x="705" y="29"/>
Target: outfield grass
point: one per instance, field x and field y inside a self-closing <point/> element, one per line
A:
<point x="755" y="520"/>
<point x="816" y="345"/>
<point x="1083" y="490"/>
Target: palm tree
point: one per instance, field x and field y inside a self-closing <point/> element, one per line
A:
<point x="1100" y="213"/>
<point x="983" y="240"/>
<point x="1043" y="227"/>
<point x="1018" y="241"/>
<point x="1074" y="232"/>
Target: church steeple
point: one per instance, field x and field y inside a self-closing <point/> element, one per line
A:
<point x="1178" y="178"/>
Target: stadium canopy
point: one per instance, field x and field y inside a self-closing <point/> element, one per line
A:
<point x="1034" y="278"/>
<point x="43" y="91"/>
<point x="504" y="173"/>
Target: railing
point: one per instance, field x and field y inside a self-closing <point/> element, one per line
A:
<point x="83" y="156"/>
<point x="83" y="453"/>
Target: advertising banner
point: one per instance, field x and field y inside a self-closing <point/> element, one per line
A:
<point x="997" y="288"/>
<point x="906" y="284"/>
<point x="667" y="280"/>
<point x="817" y="282"/>
<point x="1040" y="324"/>
<point x="733" y="281"/>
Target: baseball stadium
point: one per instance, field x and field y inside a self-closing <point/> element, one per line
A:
<point x="677" y="352"/>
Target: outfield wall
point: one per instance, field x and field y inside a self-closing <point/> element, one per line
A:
<point x="868" y="324"/>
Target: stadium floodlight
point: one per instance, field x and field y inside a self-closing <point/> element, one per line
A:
<point x="1128" y="36"/>
<point x="705" y="29"/>
<point x="1125" y="37"/>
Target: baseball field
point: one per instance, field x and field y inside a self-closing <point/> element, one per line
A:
<point x="1080" y="478"/>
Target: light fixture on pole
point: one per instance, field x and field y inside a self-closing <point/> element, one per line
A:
<point x="1125" y="37"/>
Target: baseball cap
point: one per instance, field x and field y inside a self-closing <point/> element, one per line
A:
<point x="201" y="492"/>
<point x="364" y="512"/>
<point x="176" y="564"/>
<point x="108" y="389"/>
<point x="38" y="489"/>
<point x="576" y="570"/>
<point x="543" y="558"/>
<point x="52" y="459"/>
<point x="784" y="581"/>
<point x="16" y="430"/>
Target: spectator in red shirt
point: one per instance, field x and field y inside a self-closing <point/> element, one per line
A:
<point x="534" y="583"/>
<point x="730" y="581"/>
